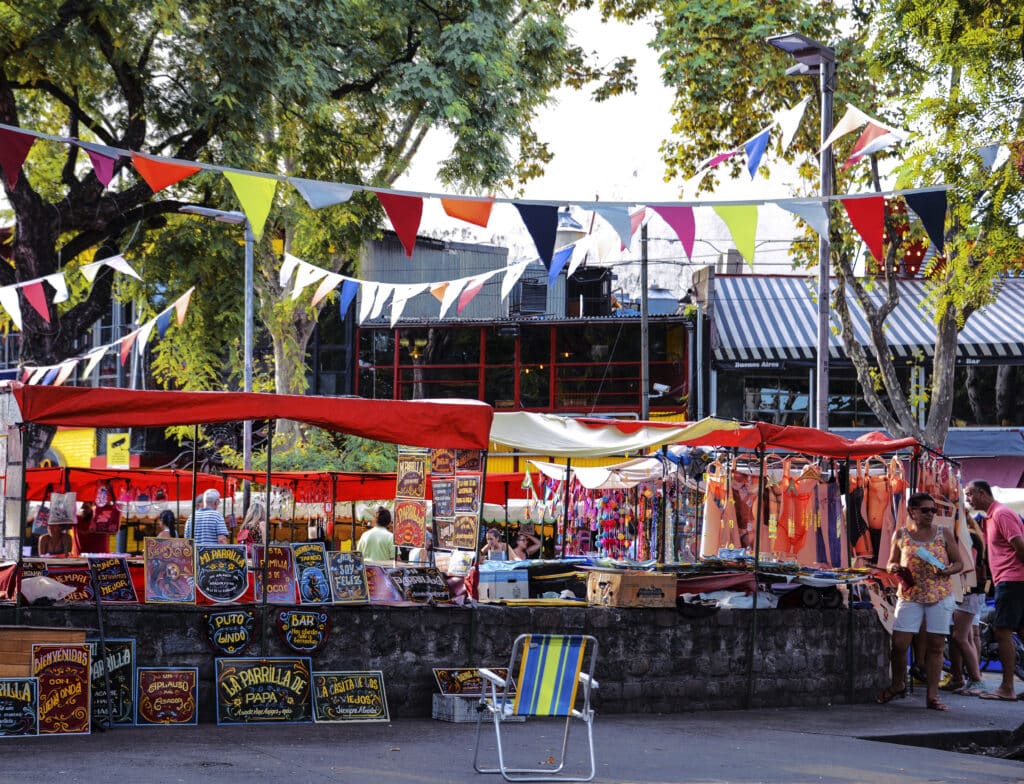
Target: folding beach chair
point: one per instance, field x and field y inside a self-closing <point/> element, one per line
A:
<point x="545" y="674"/>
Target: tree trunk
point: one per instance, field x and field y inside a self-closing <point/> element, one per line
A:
<point x="1006" y="394"/>
<point x="974" y="395"/>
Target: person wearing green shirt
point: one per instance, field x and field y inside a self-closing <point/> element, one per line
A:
<point x="378" y="544"/>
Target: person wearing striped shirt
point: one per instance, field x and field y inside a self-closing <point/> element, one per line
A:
<point x="207" y="525"/>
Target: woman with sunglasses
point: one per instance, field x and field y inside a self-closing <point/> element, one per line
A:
<point x="926" y="557"/>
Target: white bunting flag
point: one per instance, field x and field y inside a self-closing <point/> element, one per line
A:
<point x="306" y="275"/>
<point x="451" y="294"/>
<point x="383" y="294"/>
<point x="327" y="285"/>
<point x="60" y="287"/>
<point x="367" y="294"/>
<point x="93" y="358"/>
<point x="9" y="301"/>
<point x="144" y="332"/>
<point x="789" y="122"/>
<point x="402" y="296"/>
<point x="512" y="275"/>
<point x="579" y="253"/>
<point x="288" y="267"/>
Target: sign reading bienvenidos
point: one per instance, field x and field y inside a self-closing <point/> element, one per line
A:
<point x="349" y="696"/>
<point x="230" y="632"/>
<point x="251" y="690"/>
<point x="113" y="581"/>
<point x="62" y="670"/>
<point x="311" y="572"/>
<point x="19" y="707"/>
<point x="117" y="666"/>
<point x="222" y="573"/>
<point x="348" y="578"/>
<point x="304" y="631"/>
<point x="167" y="696"/>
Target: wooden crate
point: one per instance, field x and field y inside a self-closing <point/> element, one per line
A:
<point x="631" y="589"/>
<point x="16" y="646"/>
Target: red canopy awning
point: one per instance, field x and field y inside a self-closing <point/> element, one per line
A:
<point x="128" y="484"/>
<point x="460" y="424"/>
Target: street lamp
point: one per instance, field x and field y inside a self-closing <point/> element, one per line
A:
<point x="238" y="218"/>
<point x="814" y="58"/>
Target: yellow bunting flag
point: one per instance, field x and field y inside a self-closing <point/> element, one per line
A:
<point x="256" y="195"/>
<point x="742" y="222"/>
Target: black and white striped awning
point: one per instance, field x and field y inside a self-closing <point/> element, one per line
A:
<point x="761" y="321"/>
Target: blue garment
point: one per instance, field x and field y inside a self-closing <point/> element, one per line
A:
<point x="205" y="526"/>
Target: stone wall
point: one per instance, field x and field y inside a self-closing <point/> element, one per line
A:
<point x="651" y="661"/>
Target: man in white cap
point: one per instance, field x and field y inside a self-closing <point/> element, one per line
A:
<point x="207" y="525"/>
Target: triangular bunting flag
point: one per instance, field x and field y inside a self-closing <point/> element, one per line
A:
<point x="256" y="195"/>
<point x="9" y="300"/>
<point x="89" y="270"/>
<point x="451" y="294"/>
<point x="755" y="150"/>
<point x="715" y="160"/>
<point x="512" y="275"/>
<point x="681" y="221"/>
<point x="50" y="375"/>
<point x="868" y="218"/>
<point x="438" y="290"/>
<point x="870" y="134"/>
<point x="472" y="289"/>
<point x="60" y="287"/>
<point x="579" y="254"/>
<point x="144" y="332"/>
<point x="126" y="344"/>
<point x="181" y="306"/>
<point x="163" y="321"/>
<point x="558" y="261"/>
<point x="476" y="211"/>
<point x="65" y="370"/>
<point x="121" y="264"/>
<point x="618" y="218"/>
<point x="813" y="213"/>
<point x="401" y="297"/>
<point x="349" y="289"/>
<point x="94" y="358"/>
<point x="38" y="374"/>
<point x="287" y="268"/>
<point x="37" y="299"/>
<point x="103" y="159"/>
<point x="789" y="122"/>
<point x="368" y="292"/>
<point x="160" y="173"/>
<point x="321" y="194"/>
<point x="384" y="291"/>
<point x="405" y="213"/>
<point x="14" y="147"/>
<point x="851" y="121"/>
<point x="306" y="274"/>
<point x="930" y="207"/>
<point x="327" y="285"/>
<point x="988" y="155"/>
<point x="742" y="222"/>
<point x="541" y="221"/>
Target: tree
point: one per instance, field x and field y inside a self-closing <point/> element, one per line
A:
<point x="339" y="90"/>
<point x="949" y="70"/>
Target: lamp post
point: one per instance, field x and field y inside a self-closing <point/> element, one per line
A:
<point x="814" y="58"/>
<point x="238" y="218"/>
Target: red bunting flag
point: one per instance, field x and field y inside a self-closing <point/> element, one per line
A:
<point x="472" y="289"/>
<point x="405" y="213"/>
<point x="476" y="211"/>
<point x="159" y="172"/>
<point x="868" y="217"/>
<point x="126" y="346"/>
<point x="870" y="133"/>
<point x="37" y="299"/>
<point x="14" y="147"/>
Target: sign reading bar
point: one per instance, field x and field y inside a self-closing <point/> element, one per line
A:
<point x="304" y="631"/>
<point x="253" y="690"/>
<point x="118" y="665"/>
<point x="222" y="574"/>
<point x="311" y="571"/>
<point x="113" y="580"/>
<point x="19" y="707"/>
<point x="463" y="681"/>
<point x="168" y="696"/>
<point x="170" y="571"/>
<point x="63" y="673"/>
<point x="230" y="632"/>
<point x="348" y="578"/>
<point x="349" y="696"/>
<point x="280" y="574"/>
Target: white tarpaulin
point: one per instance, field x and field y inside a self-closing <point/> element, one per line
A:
<point x="614" y="477"/>
<point x="558" y="436"/>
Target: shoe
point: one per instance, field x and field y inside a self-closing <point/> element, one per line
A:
<point x="951" y="685"/>
<point x="991" y="695"/>
<point x="934" y="704"/>
<point x="971" y="688"/>
<point x="888" y="694"/>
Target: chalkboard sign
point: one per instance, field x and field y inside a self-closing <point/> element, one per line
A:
<point x="311" y="571"/>
<point x="19" y="707"/>
<point x="442" y="462"/>
<point x="411" y="480"/>
<point x="79" y="578"/>
<point x="119" y="666"/>
<point x="167" y="696"/>
<point x="468" y="460"/>
<point x="467" y="494"/>
<point x="443" y="494"/>
<point x="464" y="681"/>
<point x="423" y="585"/>
<point x="349" y="696"/>
<point x="410" y="523"/>
<point x="348" y="578"/>
<point x="222" y="574"/>
<point x="113" y="580"/>
<point x="280" y="574"/>
<point x="304" y="631"/>
<point x="253" y="690"/>
<point x="63" y="673"/>
<point x="170" y="571"/>
<point x="229" y="632"/>
<point x="466" y="531"/>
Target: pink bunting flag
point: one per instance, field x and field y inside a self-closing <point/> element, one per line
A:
<point x="868" y="218"/>
<point x="405" y="213"/>
<point x="14" y="147"/>
<point x="160" y="173"/>
<point x="472" y="289"/>
<point x="682" y="222"/>
<point x="870" y="133"/>
<point x="126" y="346"/>
<point x="714" y="160"/>
<point x="636" y="219"/>
<point x="181" y="306"/>
<point x="37" y="299"/>
<point x="103" y="159"/>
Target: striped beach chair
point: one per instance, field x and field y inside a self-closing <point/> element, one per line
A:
<point x="547" y="675"/>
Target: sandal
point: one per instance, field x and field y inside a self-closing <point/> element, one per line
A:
<point x="889" y="693"/>
<point x="952" y="686"/>
<point x="934" y="704"/>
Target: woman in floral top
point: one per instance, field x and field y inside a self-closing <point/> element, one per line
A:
<point x="925" y="594"/>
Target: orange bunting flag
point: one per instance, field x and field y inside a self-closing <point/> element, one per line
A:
<point x="159" y="172"/>
<point x="438" y="290"/>
<point x="868" y="217"/>
<point x="181" y="306"/>
<point x="37" y="299"/>
<point x="476" y="211"/>
<point x="405" y="213"/>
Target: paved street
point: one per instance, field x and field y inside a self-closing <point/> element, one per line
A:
<point x="787" y="746"/>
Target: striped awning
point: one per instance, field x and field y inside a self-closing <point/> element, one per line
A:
<point x="761" y="321"/>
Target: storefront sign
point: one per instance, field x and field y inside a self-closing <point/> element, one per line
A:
<point x="304" y="631"/>
<point x="348" y="578"/>
<point x="63" y="673"/>
<point x="113" y="580"/>
<point x="19" y="707"/>
<point x="222" y="574"/>
<point x="410" y="523"/>
<point x="230" y="632"/>
<point x="280" y="574"/>
<point x="412" y="470"/>
<point x="168" y="696"/>
<point x="170" y="571"/>
<point x="349" y="696"/>
<point x="311" y="569"/>
<point x="442" y="462"/>
<point x="263" y="690"/>
<point x="464" y="681"/>
<point x="118" y="665"/>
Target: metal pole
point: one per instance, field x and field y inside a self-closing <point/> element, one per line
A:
<point x="565" y="505"/>
<point x="645" y="382"/>
<point x="827" y="69"/>
<point x="266" y="545"/>
<point x="250" y="241"/>
<point x="763" y="519"/>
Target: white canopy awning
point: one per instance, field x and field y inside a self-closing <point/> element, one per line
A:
<point x="614" y="477"/>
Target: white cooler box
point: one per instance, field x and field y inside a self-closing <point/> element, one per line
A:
<point x="504" y="584"/>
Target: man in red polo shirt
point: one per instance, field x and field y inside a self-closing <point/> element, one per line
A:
<point x="1004" y="535"/>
